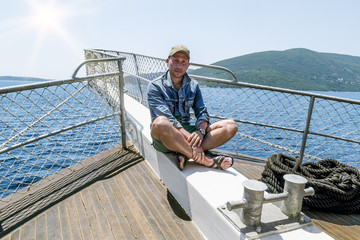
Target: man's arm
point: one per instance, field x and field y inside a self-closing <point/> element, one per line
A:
<point x="200" y="111"/>
<point x="204" y="125"/>
<point x="185" y="133"/>
<point x="158" y="106"/>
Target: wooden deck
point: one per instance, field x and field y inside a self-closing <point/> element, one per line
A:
<point x="128" y="203"/>
<point x="131" y="203"/>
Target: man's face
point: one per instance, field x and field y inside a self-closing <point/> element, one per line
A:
<point x="178" y="64"/>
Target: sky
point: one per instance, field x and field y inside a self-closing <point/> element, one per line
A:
<point x="46" y="38"/>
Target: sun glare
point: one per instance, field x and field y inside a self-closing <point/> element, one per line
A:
<point x="47" y="18"/>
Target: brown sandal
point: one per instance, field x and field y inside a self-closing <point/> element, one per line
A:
<point x="218" y="160"/>
<point x="178" y="155"/>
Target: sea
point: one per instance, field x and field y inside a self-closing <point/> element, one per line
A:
<point x="264" y="108"/>
<point x="8" y="83"/>
<point x="350" y="95"/>
<point x="63" y="149"/>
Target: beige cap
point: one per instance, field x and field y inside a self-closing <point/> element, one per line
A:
<point x="179" y="48"/>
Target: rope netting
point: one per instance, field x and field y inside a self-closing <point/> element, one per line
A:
<point x="138" y="70"/>
<point x="269" y="119"/>
<point x="46" y="129"/>
<point x="273" y="121"/>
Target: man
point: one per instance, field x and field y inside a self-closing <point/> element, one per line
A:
<point x="170" y="98"/>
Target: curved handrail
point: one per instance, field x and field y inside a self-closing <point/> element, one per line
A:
<point x="217" y="68"/>
<point x="163" y="59"/>
<point x="95" y="61"/>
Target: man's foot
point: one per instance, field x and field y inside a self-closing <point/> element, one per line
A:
<point x="182" y="160"/>
<point x="221" y="162"/>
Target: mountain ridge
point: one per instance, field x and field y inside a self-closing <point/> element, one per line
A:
<point x="297" y="68"/>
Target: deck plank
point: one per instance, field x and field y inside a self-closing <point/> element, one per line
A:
<point x="148" y="203"/>
<point x="84" y="222"/>
<point x="119" y="214"/>
<point x="73" y="218"/>
<point x="15" y="235"/>
<point x="144" y="208"/>
<point x="40" y="227"/>
<point x="28" y="231"/>
<point x="133" y="213"/>
<point x="182" y="229"/>
<point x="146" y="200"/>
<point x="95" y="225"/>
<point x="53" y="224"/>
<point x="64" y="222"/>
<point x="109" y="212"/>
<point x="103" y="223"/>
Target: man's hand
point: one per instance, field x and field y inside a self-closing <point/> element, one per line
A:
<point x="198" y="155"/>
<point x="195" y="139"/>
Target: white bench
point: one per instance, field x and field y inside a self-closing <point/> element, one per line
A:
<point x="198" y="189"/>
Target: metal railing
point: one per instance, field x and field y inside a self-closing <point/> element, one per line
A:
<point x="270" y="120"/>
<point x="47" y="127"/>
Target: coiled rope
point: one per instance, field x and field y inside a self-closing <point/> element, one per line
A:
<point x="336" y="185"/>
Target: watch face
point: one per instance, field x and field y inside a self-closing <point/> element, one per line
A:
<point x="202" y="131"/>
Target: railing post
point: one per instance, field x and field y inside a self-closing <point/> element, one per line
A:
<point x="121" y="104"/>
<point x="137" y="73"/>
<point x="307" y="127"/>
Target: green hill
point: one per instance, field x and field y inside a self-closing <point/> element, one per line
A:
<point x="299" y="68"/>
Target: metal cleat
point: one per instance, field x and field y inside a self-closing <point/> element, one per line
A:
<point x="249" y="209"/>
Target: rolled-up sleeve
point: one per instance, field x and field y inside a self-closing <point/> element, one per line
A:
<point x="158" y="106"/>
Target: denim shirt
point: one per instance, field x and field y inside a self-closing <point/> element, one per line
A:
<point x="166" y="100"/>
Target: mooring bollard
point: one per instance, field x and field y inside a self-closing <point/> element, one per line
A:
<point x="253" y="199"/>
<point x="251" y="205"/>
<point x="295" y="188"/>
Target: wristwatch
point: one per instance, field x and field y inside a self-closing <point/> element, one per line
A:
<point x="202" y="131"/>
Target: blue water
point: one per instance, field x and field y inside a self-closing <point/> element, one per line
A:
<point x="283" y="110"/>
<point x="89" y="148"/>
<point x="28" y="164"/>
<point x="9" y="83"/>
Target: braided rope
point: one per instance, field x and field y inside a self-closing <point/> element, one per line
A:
<point x="337" y="185"/>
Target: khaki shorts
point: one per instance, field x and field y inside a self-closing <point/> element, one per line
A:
<point x="159" y="146"/>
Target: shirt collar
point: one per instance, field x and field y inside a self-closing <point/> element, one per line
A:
<point x="169" y="83"/>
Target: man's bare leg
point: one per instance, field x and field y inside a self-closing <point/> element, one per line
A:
<point x="172" y="138"/>
<point x="220" y="132"/>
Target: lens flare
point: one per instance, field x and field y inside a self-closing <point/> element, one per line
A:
<point x="47" y="19"/>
